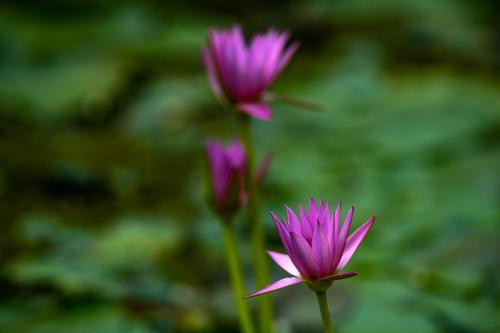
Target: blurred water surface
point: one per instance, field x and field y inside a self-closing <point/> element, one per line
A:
<point x="104" y="106"/>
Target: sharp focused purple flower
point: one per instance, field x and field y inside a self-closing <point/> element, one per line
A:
<point x="318" y="248"/>
<point x="227" y="169"/>
<point x="242" y="73"/>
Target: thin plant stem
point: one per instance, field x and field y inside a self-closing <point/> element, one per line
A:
<point x="236" y="276"/>
<point x="264" y="305"/>
<point x="325" y="313"/>
<point x="292" y="101"/>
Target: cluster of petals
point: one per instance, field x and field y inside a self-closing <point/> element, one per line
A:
<point x="227" y="170"/>
<point x="241" y="73"/>
<point x="317" y="246"/>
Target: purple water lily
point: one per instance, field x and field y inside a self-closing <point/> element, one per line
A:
<point x="317" y="249"/>
<point x="242" y="73"/>
<point x="227" y="169"/>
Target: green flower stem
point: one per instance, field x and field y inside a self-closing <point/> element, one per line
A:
<point x="265" y="307"/>
<point x="325" y="313"/>
<point x="236" y="276"/>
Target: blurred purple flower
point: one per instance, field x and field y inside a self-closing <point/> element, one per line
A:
<point x="242" y="74"/>
<point x="227" y="170"/>
<point x="317" y="250"/>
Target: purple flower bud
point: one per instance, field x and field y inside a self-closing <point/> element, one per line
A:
<point x="242" y="73"/>
<point x="227" y="170"/>
<point x="317" y="249"/>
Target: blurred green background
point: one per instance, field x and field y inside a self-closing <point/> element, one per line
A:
<point x="104" y="106"/>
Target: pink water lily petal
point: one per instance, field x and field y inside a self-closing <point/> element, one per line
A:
<point x="217" y="41"/>
<point x="220" y="169"/>
<point x="258" y="110"/>
<point x="286" y="239"/>
<point x="354" y="241"/>
<point x="340" y="276"/>
<point x="321" y="249"/>
<point x="303" y="256"/>
<point x="313" y="210"/>
<point x="275" y="43"/>
<point x="287" y="55"/>
<point x="227" y="166"/>
<point x="306" y="224"/>
<point x="324" y="212"/>
<point x="293" y="222"/>
<point x="337" y="221"/>
<point x="276" y="285"/>
<point x="236" y="153"/>
<point x="344" y="232"/>
<point x="284" y="261"/>
<point x="283" y="233"/>
<point x="259" y="51"/>
<point x="212" y="73"/>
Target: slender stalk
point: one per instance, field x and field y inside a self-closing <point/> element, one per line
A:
<point x="292" y="101"/>
<point x="325" y="313"/>
<point x="264" y="305"/>
<point x="236" y="276"/>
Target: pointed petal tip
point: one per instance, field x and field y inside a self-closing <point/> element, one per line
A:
<point x="370" y="221"/>
<point x="290" y="211"/>
<point x="354" y="241"/>
<point x="274" y="217"/>
<point x="349" y="215"/>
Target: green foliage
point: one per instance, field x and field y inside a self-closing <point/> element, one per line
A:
<point x="104" y="106"/>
